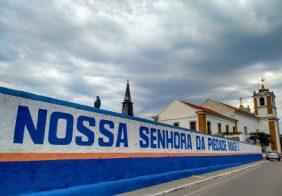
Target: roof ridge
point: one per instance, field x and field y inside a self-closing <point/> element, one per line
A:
<point x="204" y="109"/>
<point x="236" y="109"/>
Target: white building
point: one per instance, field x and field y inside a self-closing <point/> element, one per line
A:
<point x="181" y="113"/>
<point x="247" y="122"/>
<point x="216" y="118"/>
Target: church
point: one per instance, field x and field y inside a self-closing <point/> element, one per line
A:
<point x="220" y="119"/>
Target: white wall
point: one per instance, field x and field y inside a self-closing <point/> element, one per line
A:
<point x="262" y="112"/>
<point x="183" y="122"/>
<point x="179" y="112"/>
<point x="252" y="124"/>
<point x="10" y="117"/>
<point x="214" y="124"/>
<point x="217" y="107"/>
<point x="241" y="137"/>
<point x="263" y="125"/>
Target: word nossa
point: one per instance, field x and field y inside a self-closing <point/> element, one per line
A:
<point x="84" y="126"/>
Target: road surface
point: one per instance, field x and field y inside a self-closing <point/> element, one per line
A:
<point x="263" y="180"/>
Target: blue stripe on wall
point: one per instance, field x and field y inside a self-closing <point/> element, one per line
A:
<point x="34" y="176"/>
<point x="130" y="184"/>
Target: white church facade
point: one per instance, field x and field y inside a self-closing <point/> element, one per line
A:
<point x="217" y="118"/>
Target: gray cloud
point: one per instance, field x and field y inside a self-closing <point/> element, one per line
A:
<point x="192" y="50"/>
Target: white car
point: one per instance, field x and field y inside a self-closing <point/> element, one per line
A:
<point x="270" y="155"/>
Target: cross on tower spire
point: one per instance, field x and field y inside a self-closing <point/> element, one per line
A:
<point x="262" y="82"/>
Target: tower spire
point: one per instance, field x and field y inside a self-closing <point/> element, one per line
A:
<point x="127" y="105"/>
<point x="241" y="99"/>
<point x="127" y="96"/>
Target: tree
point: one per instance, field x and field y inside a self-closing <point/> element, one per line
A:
<point x="260" y="137"/>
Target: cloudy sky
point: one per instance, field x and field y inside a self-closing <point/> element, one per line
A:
<point x="191" y="50"/>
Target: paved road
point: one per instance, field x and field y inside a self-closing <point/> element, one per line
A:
<point x="264" y="180"/>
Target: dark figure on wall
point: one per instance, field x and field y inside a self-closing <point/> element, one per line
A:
<point x="97" y="103"/>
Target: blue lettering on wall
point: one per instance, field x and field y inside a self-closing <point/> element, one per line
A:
<point x="189" y="142"/>
<point x="176" y="140"/>
<point x="161" y="138"/>
<point x="144" y="139"/>
<point x="24" y="120"/>
<point x="233" y="146"/>
<point x="183" y="142"/>
<point x="108" y="137"/>
<point x="216" y="144"/>
<point x="122" y="135"/>
<point x="153" y="137"/>
<point x="108" y="134"/>
<point x="200" y="142"/>
<point x="169" y="139"/>
<point x="164" y="139"/>
<point x="85" y="131"/>
<point x="53" y="128"/>
<point x="36" y="131"/>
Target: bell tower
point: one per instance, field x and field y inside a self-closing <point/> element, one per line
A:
<point x="265" y="110"/>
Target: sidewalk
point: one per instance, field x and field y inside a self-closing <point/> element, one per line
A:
<point x="172" y="186"/>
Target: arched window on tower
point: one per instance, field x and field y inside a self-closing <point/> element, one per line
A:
<point x="261" y="101"/>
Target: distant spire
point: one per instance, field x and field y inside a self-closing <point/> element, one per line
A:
<point x="241" y="99"/>
<point x="127" y="105"/>
<point x="127" y="96"/>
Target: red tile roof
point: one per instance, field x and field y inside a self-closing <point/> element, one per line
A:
<point x="201" y="108"/>
<point x="238" y="110"/>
